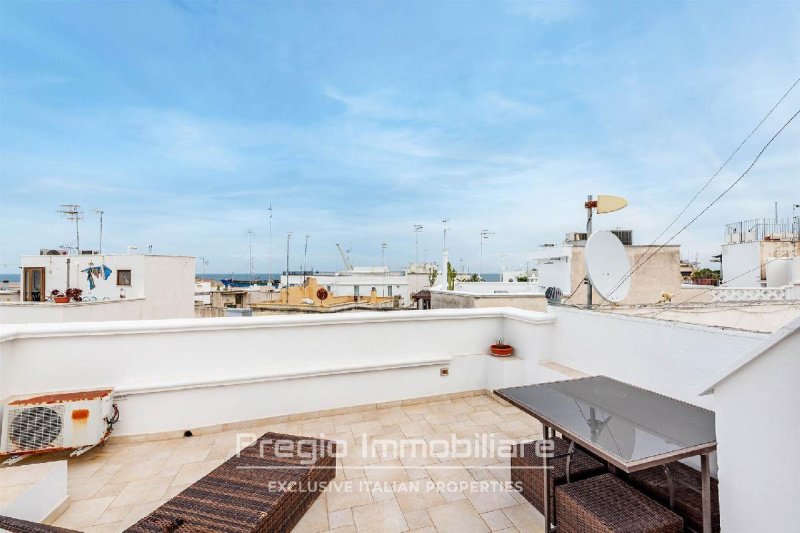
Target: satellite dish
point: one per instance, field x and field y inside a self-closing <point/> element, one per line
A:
<point x="607" y="203"/>
<point x="606" y="264"/>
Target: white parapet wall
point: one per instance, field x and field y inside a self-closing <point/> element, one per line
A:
<point x="667" y="357"/>
<point x="183" y="374"/>
<point x="191" y="373"/>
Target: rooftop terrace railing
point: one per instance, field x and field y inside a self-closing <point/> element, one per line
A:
<point x="764" y="229"/>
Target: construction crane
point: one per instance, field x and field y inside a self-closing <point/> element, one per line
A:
<point x="345" y="260"/>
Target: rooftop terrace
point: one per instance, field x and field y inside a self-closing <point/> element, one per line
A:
<point x="376" y="489"/>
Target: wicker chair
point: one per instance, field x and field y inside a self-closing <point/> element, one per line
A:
<point x="15" y="525"/>
<point x="525" y="469"/>
<point x="687" y="485"/>
<point x="605" y="504"/>
<point x="262" y="489"/>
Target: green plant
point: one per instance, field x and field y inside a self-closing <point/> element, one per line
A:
<point x="522" y="278"/>
<point x="432" y="276"/>
<point x="475" y="277"/>
<point x="500" y="342"/>
<point x="451" y="277"/>
<point x="705" y="273"/>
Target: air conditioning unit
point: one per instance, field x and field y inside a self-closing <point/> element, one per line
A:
<point x="75" y="421"/>
<point x="51" y="251"/>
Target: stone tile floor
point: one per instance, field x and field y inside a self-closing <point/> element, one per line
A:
<point x="381" y="490"/>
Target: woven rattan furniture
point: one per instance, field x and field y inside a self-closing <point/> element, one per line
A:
<point x="15" y="525"/>
<point x="526" y="469"/>
<point x="687" y="487"/>
<point x="630" y="428"/>
<point x="605" y="504"/>
<point x="267" y="487"/>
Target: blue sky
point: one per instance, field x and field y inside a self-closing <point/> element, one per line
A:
<point x="357" y="120"/>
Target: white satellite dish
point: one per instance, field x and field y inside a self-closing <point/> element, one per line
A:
<point x="607" y="264"/>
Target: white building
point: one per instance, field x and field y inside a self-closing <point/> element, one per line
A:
<point x="360" y="280"/>
<point x="122" y="287"/>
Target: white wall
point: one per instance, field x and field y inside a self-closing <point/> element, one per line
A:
<point x="102" y="310"/>
<point x="737" y="260"/>
<point x="666" y="357"/>
<point x="179" y="374"/>
<point x="163" y="285"/>
<point x="758" y="426"/>
<point x="492" y="287"/>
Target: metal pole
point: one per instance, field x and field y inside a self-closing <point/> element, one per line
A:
<point x="705" y="473"/>
<point x="305" y="258"/>
<point x="288" y="238"/>
<point x="68" y="261"/>
<point x="101" y="232"/>
<point x="480" y="274"/>
<point x="77" y="236"/>
<point x="269" y="254"/>
<point x="588" y="234"/>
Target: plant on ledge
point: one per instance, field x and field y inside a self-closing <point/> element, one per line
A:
<point x="501" y="349"/>
<point x="59" y="297"/>
<point x="74" y="294"/>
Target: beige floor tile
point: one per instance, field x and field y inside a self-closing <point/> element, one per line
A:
<point x="383" y="517"/>
<point x="496" y="520"/>
<point x="386" y="472"/>
<point x="417" y="519"/>
<point x="86" y="487"/>
<point x="490" y="496"/>
<point x="138" y="512"/>
<point x="525" y="517"/>
<point x="341" y="518"/>
<point x="315" y="519"/>
<point x="457" y="517"/>
<point x="344" y="529"/>
<point x="112" y="515"/>
<point x="134" y="471"/>
<point x="486" y="417"/>
<point x="416" y="429"/>
<point x="141" y="491"/>
<point x="369" y="428"/>
<point x="112" y="527"/>
<point x="192" y="472"/>
<point x="83" y="513"/>
<point x="111" y="489"/>
<point x="418" y="495"/>
<point x="345" y="495"/>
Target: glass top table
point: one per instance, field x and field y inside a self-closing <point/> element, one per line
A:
<point x="630" y="427"/>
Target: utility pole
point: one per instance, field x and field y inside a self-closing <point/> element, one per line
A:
<point x="589" y="206"/>
<point x="446" y="229"/>
<point x="288" y="239"/>
<point x="417" y="229"/>
<point x="383" y="256"/>
<point x="249" y="232"/>
<point x="100" y="212"/>
<point x="305" y="258"/>
<point x="73" y="212"/>
<point x="484" y="235"/>
<point x="269" y="252"/>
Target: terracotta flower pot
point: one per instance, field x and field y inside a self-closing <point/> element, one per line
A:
<point x="62" y="299"/>
<point x="501" y="350"/>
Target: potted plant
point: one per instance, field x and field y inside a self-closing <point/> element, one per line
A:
<point x="74" y="294"/>
<point x="59" y="297"/>
<point x="501" y="349"/>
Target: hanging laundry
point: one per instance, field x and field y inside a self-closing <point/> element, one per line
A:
<point x="95" y="272"/>
<point x="106" y="272"/>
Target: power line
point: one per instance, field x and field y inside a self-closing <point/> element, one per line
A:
<point x="787" y="254"/>
<point x="646" y="258"/>
<point x="708" y="182"/>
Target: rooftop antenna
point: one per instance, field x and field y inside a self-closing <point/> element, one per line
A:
<point x="99" y="211"/>
<point x="305" y="258"/>
<point x="417" y="230"/>
<point x="269" y="254"/>
<point x="288" y="239"/>
<point x="383" y="253"/>
<point x="446" y="229"/>
<point x="203" y="264"/>
<point x="605" y="203"/>
<point x="484" y="235"/>
<point x="606" y="263"/>
<point x="249" y="232"/>
<point x="73" y="212"/>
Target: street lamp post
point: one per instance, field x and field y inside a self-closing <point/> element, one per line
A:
<point x="417" y="229"/>
<point x="484" y="235"/>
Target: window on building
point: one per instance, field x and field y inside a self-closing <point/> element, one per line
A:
<point x="123" y="277"/>
<point x="390" y="290"/>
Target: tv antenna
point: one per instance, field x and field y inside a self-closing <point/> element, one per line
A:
<point x="607" y="262"/>
<point x="417" y="230"/>
<point x="269" y="254"/>
<point x="203" y="264"/>
<point x="249" y="232"/>
<point x="446" y="229"/>
<point x="100" y="212"/>
<point x="383" y="253"/>
<point x="305" y="258"/>
<point x="73" y="212"/>
<point x="605" y="203"/>
<point x="484" y="235"/>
